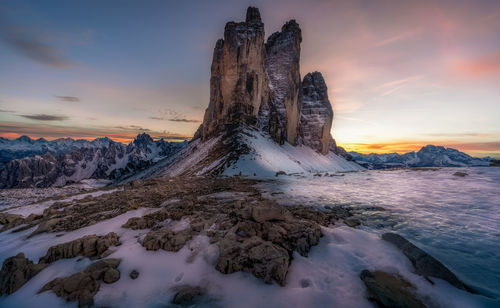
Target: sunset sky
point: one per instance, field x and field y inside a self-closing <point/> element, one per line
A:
<point x="400" y="74"/>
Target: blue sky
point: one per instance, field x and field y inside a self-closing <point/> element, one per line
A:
<point x="401" y="74"/>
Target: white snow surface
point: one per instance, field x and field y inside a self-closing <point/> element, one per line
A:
<point x="328" y="277"/>
<point x="266" y="157"/>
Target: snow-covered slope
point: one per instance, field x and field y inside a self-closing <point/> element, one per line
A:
<point x="428" y="156"/>
<point x="266" y="158"/>
<point x="249" y="152"/>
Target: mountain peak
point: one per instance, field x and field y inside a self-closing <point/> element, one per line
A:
<point x="253" y="15"/>
<point x="24" y="138"/>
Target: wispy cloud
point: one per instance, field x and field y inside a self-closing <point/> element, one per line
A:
<point x="48" y="131"/>
<point x="32" y="44"/>
<point x="176" y="120"/>
<point x="398" y="37"/>
<point x="44" y="117"/>
<point x="68" y="98"/>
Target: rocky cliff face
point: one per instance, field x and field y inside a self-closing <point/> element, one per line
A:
<point x="238" y="82"/>
<point x="316" y="114"/>
<point x="281" y="115"/>
<point x="259" y="85"/>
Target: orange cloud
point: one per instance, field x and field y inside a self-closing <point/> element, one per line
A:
<point x="471" y="148"/>
<point x="483" y="66"/>
<point x="50" y="132"/>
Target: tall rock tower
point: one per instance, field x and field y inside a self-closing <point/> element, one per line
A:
<point x="280" y="117"/>
<point x="238" y="84"/>
<point x="316" y="114"/>
<point x="259" y="85"/>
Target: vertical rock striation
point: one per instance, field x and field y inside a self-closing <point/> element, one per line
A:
<point x="238" y="82"/>
<point x="316" y="114"/>
<point x="280" y="117"/>
<point x="259" y="85"/>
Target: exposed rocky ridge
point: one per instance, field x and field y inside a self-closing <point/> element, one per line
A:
<point x="425" y="265"/>
<point x="89" y="246"/>
<point x="109" y="160"/>
<point x="390" y="290"/>
<point x="428" y="156"/>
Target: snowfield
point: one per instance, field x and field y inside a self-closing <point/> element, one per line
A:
<point x="455" y="225"/>
<point x="266" y="158"/>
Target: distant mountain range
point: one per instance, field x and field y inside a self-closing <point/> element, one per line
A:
<point x="24" y="146"/>
<point x="428" y="156"/>
<point x="41" y="163"/>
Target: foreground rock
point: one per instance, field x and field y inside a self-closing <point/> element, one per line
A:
<point x="16" y="271"/>
<point x="390" y="291"/>
<point x="84" y="285"/>
<point x="425" y="265"/>
<point x="89" y="246"/>
<point x="254" y="234"/>
<point x="186" y="295"/>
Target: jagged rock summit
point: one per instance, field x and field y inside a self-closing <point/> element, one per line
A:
<point x="262" y="117"/>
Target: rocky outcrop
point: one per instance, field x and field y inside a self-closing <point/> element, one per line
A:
<point x="390" y="291"/>
<point x="186" y="295"/>
<point x="167" y="239"/>
<point x="84" y="285"/>
<point x="238" y="81"/>
<point x="425" y="265"/>
<point x="259" y="85"/>
<point x="255" y="255"/>
<point x="316" y="113"/>
<point x="280" y="116"/>
<point x="89" y="246"/>
<point x="16" y="271"/>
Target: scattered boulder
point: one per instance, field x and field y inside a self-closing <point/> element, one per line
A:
<point x="254" y="255"/>
<point x="269" y="211"/>
<point x="185" y="295"/>
<point x="352" y="222"/>
<point x="425" y="265"/>
<point x="82" y="286"/>
<point x="89" y="246"/>
<point x="167" y="239"/>
<point x="460" y="174"/>
<point x="10" y="221"/>
<point x="16" y="271"/>
<point x="134" y="274"/>
<point x="390" y="291"/>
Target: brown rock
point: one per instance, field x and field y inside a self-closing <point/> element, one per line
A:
<point x="186" y="294"/>
<point x="281" y="115"/>
<point x="425" y="265"/>
<point x="254" y="255"/>
<point x="84" y="285"/>
<point x="238" y="81"/>
<point x="269" y="211"/>
<point x="167" y="239"/>
<point x="390" y="291"/>
<point x="89" y="246"/>
<point x="316" y="113"/>
<point x="16" y="271"/>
